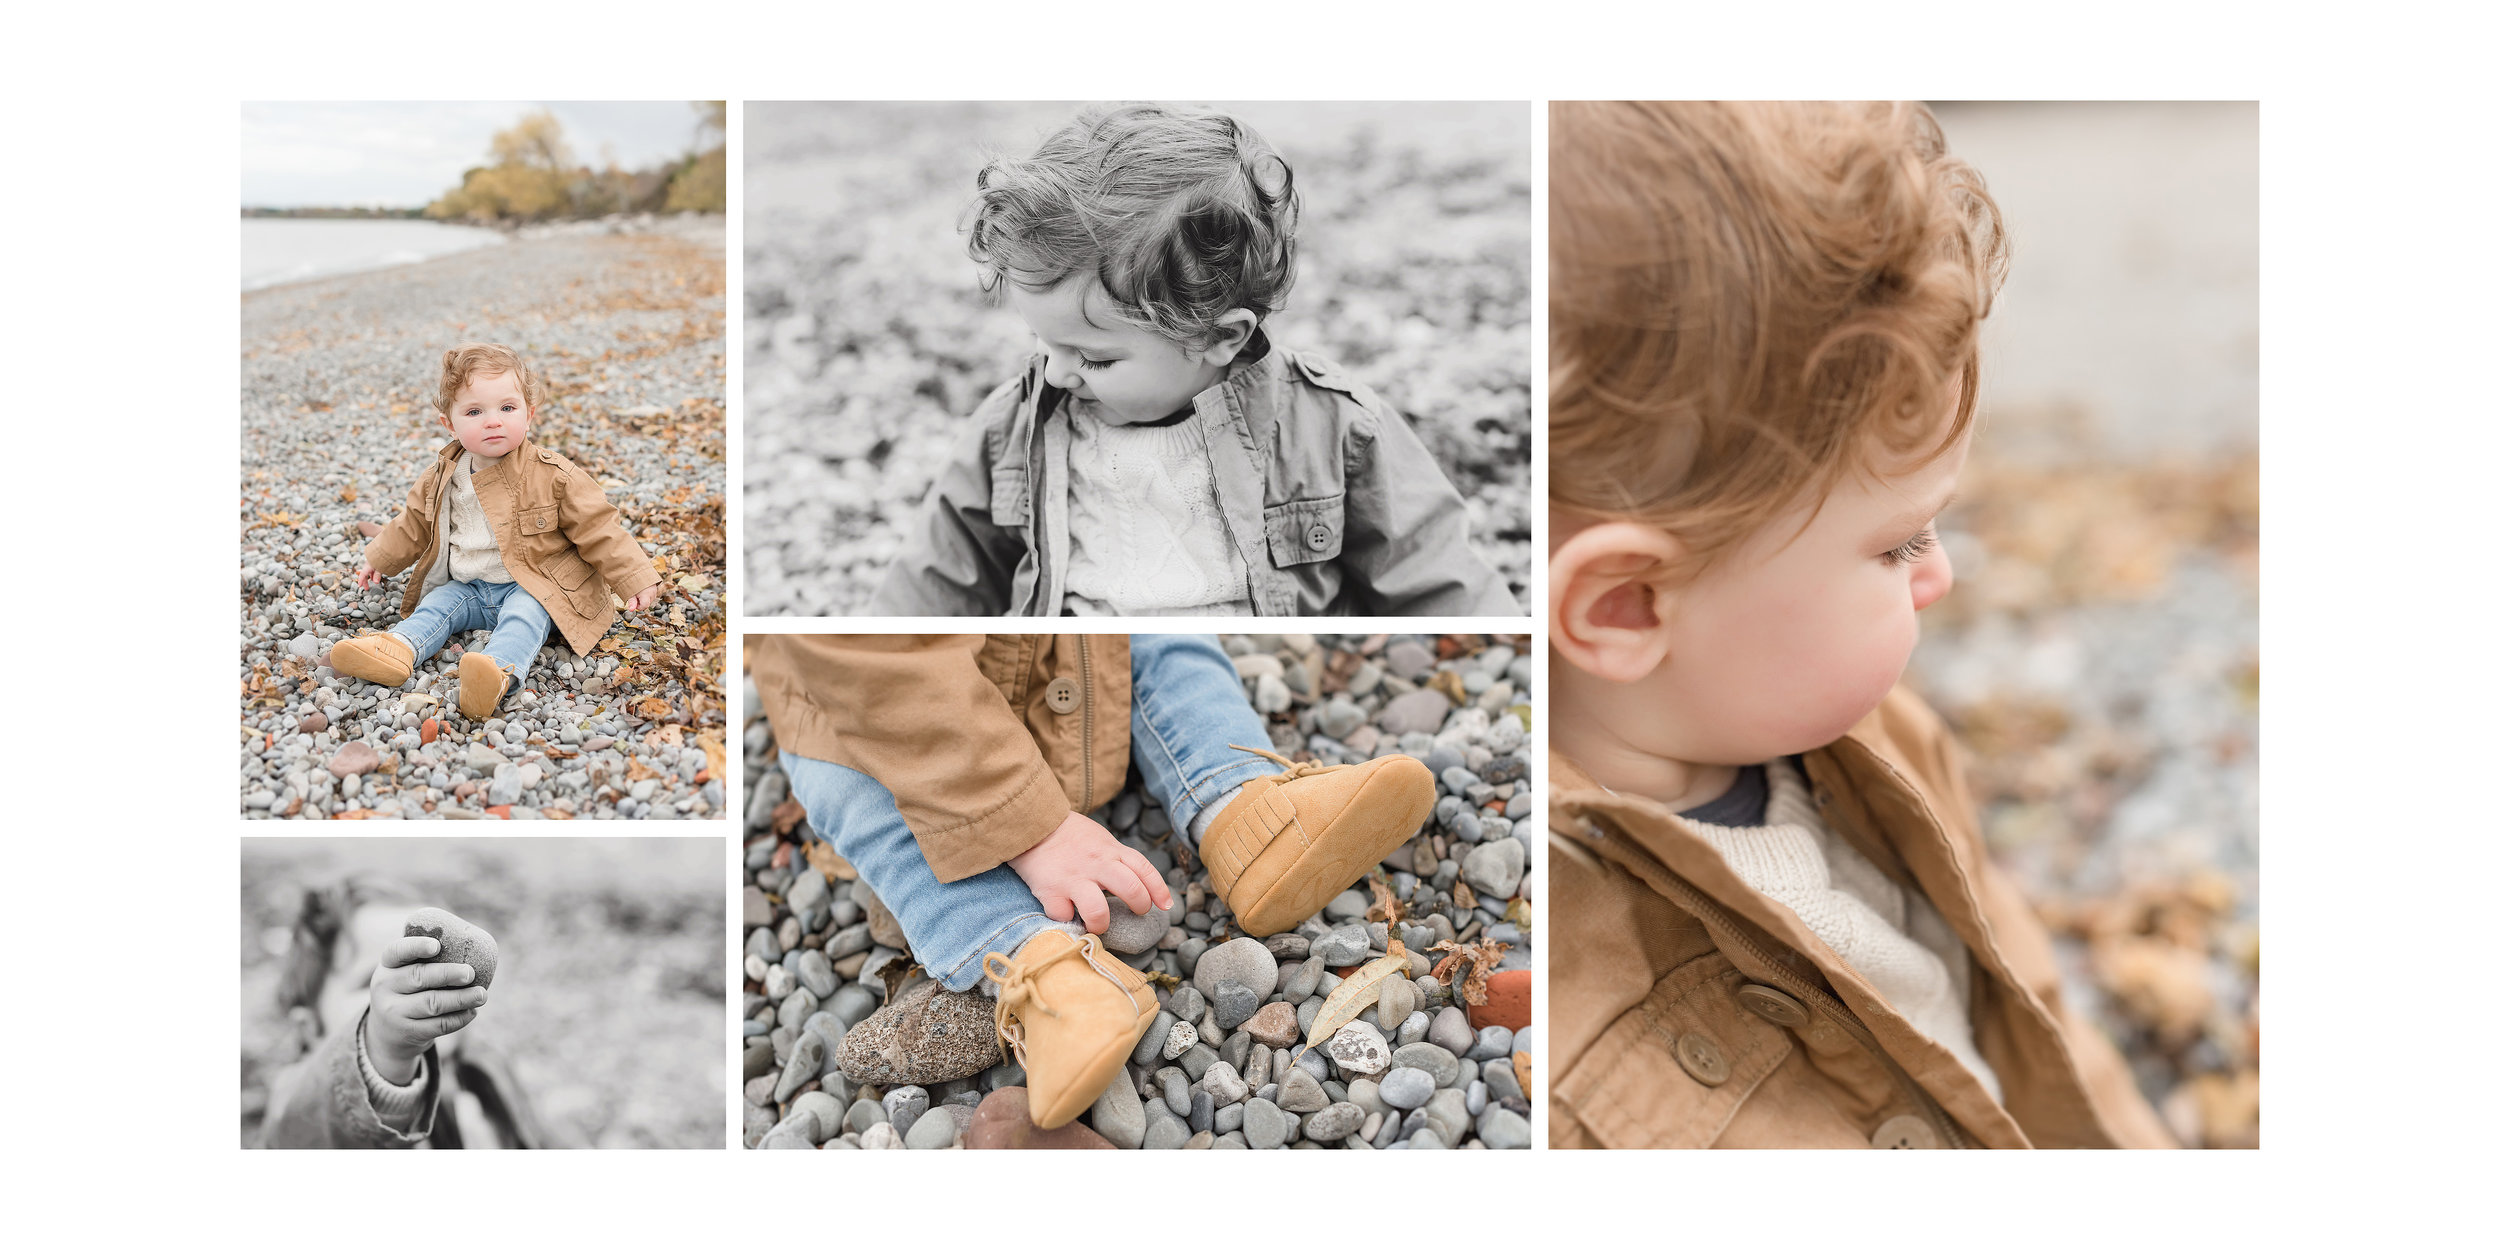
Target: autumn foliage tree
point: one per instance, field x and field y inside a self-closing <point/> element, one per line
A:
<point x="534" y="177"/>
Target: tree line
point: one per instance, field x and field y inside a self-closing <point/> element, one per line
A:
<point x="533" y="176"/>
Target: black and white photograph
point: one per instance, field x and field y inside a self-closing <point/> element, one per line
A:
<point x="1136" y="359"/>
<point x="483" y="993"/>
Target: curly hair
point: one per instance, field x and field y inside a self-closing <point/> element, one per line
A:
<point x="1182" y="215"/>
<point x="470" y="360"/>
<point x="1750" y="301"/>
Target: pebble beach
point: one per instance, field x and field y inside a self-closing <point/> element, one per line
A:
<point x="1426" y="963"/>
<point x="626" y="318"/>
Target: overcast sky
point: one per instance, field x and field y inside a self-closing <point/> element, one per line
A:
<point x="404" y="154"/>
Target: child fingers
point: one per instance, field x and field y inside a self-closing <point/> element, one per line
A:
<point x="436" y="976"/>
<point x="1089" y="904"/>
<point x="453" y="1023"/>
<point x="438" y="1003"/>
<point x="1134" y="893"/>
<point x="1156" y="891"/>
<point x="410" y="950"/>
<point x="1059" y="907"/>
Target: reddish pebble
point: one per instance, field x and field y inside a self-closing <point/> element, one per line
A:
<point x="313" y="724"/>
<point x="781" y="859"/>
<point x="1004" y="1121"/>
<point x="428" y="729"/>
<point x="355" y="758"/>
<point x="464" y="790"/>
<point x="1505" y="1001"/>
<point x="501" y="811"/>
<point x="368" y="528"/>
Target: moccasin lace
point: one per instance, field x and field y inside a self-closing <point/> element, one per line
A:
<point x="1018" y="985"/>
<point x="1293" y="770"/>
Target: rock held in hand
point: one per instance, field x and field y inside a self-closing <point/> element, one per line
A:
<point x="462" y="942"/>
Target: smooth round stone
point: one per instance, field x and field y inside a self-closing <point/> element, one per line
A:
<point x="1266" y="1125"/>
<point x="1179" y="1041"/>
<point x="1242" y="960"/>
<point x="1234" y="1004"/>
<point x="462" y="942"/>
<point x="1450" y="1031"/>
<point x="1335" y="1122"/>
<point x="1345" y="944"/>
<point x="816" y="974"/>
<point x="1406" y="1088"/>
<point x="798" y="1131"/>
<point x="1301" y="1092"/>
<point x="1167" y="1133"/>
<point x="1358" y="1048"/>
<point x="1492" y="1042"/>
<point x="1150" y="1046"/>
<point x="1119" y="1115"/>
<point x="904" y="1106"/>
<point x="826" y="1108"/>
<point x="931" y="1132"/>
<point x="1273" y="1026"/>
<point x="1004" y="1121"/>
<point x="1440" y="1064"/>
<point x="1130" y="933"/>
<point x="1494" y="868"/>
<point x="1503" y="1129"/>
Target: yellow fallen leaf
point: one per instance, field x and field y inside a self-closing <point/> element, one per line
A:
<point x="1354" y="994"/>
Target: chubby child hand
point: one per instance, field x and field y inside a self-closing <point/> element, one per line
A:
<point x="367" y="576"/>
<point x="412" y="1003"/>
<point x="643" y="598"/>
<point x="1071" y="870"/>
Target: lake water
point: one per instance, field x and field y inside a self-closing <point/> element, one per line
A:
<point x="291" y="249"/>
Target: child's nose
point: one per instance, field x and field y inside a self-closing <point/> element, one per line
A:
<point x="1933" y="580"/>
<point x="1059" y="370"/>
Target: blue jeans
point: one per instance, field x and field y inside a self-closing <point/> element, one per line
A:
<point x="519" y="621"/>
<point x="1186" y="711"/>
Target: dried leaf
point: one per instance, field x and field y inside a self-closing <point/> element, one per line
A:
<point x="1461" y="897"/>
<point x="787" y="816"/>
<point x="713" y="752"/>
<point x="651" y="708"/>
<point x="1164" y="979"/>
<point x="636" y="770"/>
<point x="821" y="856"/>
<point x="1480" y="956"/>
<point x="1355" y="993"/>
<point x="1521" y="913"/>
<point x="1520" y="1065"/>
<point x="1385" y="905"/>
<point x="895" y="973"/>
<point x="347" y="495"/>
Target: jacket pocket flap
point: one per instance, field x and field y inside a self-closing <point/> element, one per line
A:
<point x="1632" y="1093"/>
<point x="538" y="520"/>
<point x="569" y="570"/>
<point x="1306" y="531"/>
<point x="1007" y="496"/>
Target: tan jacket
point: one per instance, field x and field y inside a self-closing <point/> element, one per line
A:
<point x="1327" y="493"/>
<point x="559" y="536"/>
<point x="1691" y="1010"/>
<point x="987" y="741"/>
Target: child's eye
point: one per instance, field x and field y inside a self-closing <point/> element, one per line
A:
<point x="1088" y="362"/>
<point x="1921" y="545"/>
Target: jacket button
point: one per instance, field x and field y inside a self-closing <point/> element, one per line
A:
<point x="1061" y="695"/>
<point x="1771" y="1005"/>
<point x="1905" y="1132"/>
<point x="1317" y="536"/>
<point x="1702" y="1059"/>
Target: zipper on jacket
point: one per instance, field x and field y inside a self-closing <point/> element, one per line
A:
<point x="1684" y="895"/>
<point x="1085" y="674"/>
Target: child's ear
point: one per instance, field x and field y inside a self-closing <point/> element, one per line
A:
<point x="1607" y="585"/>
<point x="1232" y="333"/>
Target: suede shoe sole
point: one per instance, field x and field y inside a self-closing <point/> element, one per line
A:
<point x="482" y="684"/>
<point x="1287" y="844"/>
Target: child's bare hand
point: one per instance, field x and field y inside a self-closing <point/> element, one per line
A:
<point x="643" y="598"/>
<point x="368" y="576"/>
<point x="1079" y="862"/>
<point x="414" y="1002"/>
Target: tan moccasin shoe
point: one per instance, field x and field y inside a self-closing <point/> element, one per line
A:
<point x="1291" y="841"/>
<point x="1070" y="1012"/>
<point x="383" y="659"/>
<point x="482" y="683"/>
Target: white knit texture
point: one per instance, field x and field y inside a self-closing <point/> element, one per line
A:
<point x="475" y="556"/>
<point x="1146" y="535"/>
<point x="1892" y="936"/>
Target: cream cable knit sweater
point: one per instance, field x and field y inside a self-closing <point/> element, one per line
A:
<point x="1146" y="535"/>
<point x="474" y="555"/>
<point x="1892" y="936"/>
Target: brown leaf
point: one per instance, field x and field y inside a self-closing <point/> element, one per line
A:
<point x="895" y="973"/>
<point x="652" y="708"/>
<point x="713" y="752"/>
<point x="787" y="816"/>
<point x="347" y="495"/>
<point x="1385" y="905"/>
<point x="1521" y="1066"/>
<point x="821" y="856"/>
<point x="636" y="770"/>
<point x="1461" y="897"/>
<point x="1480" y="958"/>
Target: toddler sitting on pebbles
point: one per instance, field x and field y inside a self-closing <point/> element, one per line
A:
<point x="954" y="774"/>
<point x="503" y="535"/>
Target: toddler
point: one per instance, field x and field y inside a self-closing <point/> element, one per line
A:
<point x="1780" y="926"/>
<point x="504" y="535"/>
<point x="955" y="772"/>
<point x="1158" y="455"/>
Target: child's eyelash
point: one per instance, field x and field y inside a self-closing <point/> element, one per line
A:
<point x="1921" y="545"/>
<point x="1088" y="362"/>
